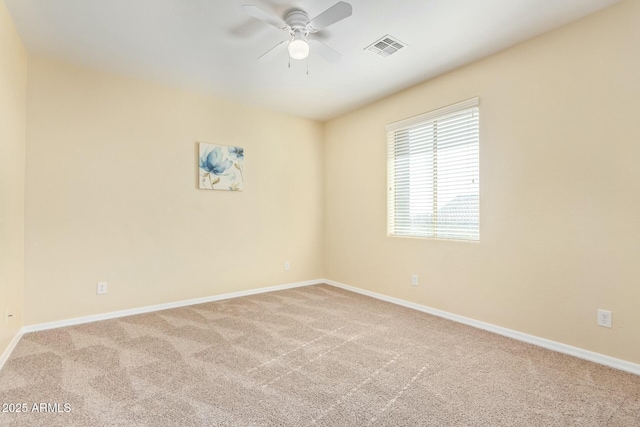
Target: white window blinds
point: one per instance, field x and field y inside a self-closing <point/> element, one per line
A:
<point x="433" y="174"/>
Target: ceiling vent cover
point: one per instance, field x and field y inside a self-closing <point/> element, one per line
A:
<point x="387" y="45"/>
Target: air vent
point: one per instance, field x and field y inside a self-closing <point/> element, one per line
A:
<point x="386" y="46"/>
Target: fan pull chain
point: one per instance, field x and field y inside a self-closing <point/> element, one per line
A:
<point x="289" y="62"/>
<point x="307" y="65"/>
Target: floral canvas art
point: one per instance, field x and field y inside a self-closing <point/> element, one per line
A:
<point x="220" y="167"/>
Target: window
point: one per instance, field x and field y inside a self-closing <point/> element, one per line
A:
<point x="433" y="174"/>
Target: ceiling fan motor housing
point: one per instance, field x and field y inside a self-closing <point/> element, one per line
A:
<point x="297" y="20"/>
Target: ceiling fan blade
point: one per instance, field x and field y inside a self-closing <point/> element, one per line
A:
<point x="262" y="15"/>
<point x="325" y="51"/>
<point x="273" y="51"/>
<point x="335" y="13"/>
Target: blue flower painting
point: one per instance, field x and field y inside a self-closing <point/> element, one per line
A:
<point x="220" y="167"/>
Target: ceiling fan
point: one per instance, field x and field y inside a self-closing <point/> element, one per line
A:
<point x="302" y="30"/>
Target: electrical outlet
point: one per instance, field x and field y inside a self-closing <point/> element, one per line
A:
<point x="287" y="266"/>
<point x="414" y="280"/>
<point x="604" y="318"/>
<point x="102" y="288"/>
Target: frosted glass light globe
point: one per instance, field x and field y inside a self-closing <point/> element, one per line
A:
<point x="298" y="49"/>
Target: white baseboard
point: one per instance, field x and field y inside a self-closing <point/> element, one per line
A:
<point x="158" y="307"/>
<point x="591" y="356"/>
<point x="10" y="347"/>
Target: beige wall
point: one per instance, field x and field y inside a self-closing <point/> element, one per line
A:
<point x="111" y="195"/>
<point x="13" y="97"/>
<point x="560" y="190"/>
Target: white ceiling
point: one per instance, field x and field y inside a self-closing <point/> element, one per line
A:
<point x="211" y="45"/>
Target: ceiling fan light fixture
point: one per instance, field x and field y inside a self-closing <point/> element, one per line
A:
<point x="298" y="48"/>
<point x="299" y="27"/>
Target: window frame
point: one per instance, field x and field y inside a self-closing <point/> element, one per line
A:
<point x="406" y="125"/>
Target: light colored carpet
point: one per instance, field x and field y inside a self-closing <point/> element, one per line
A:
<point x="313" y="355"/>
